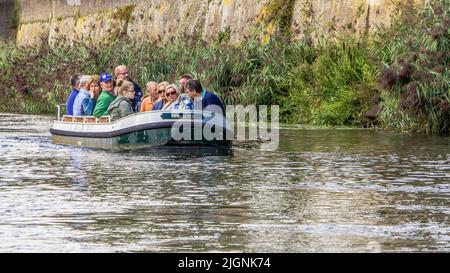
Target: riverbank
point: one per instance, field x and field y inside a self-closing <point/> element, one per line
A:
<point x="395" y="79"/>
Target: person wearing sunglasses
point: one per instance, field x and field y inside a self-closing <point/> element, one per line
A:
<point x="172" y="94"/>
<point x="158" y="105"/>
<point x="122" y="105"/>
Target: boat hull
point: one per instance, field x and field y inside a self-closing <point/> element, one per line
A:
<point x="142" y="131"/>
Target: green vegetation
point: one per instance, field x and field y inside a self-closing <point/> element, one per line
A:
<point x="397" y="78"/>
<point x="416" y="75"/>
<point x="334" y="85"/>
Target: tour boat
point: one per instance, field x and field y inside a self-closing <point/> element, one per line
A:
<point x="144" y="130"/>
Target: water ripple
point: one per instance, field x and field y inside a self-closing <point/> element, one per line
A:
<point x="342" y="191"/>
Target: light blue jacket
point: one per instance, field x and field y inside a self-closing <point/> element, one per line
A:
<point x="78" y="104"/>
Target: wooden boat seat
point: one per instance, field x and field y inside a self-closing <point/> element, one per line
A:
<point x="104" y="119"/>
<point x="85" y="119"/>
<point x="67" y="118"/>
<point x="90" y="120"/>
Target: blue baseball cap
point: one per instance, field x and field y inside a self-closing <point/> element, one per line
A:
<point x="105" y="77"/>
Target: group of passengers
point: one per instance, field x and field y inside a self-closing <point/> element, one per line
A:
<point x="120" y="96"/>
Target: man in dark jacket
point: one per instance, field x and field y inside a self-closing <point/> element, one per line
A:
<point x="75" y="83"/>
<point x="198" y="94"/>
<point x="121" y="73"/>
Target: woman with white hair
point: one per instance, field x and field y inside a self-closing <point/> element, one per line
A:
<point x="172" y="94"/>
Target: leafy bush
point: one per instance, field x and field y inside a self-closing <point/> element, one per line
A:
<point x="334" y="87"/>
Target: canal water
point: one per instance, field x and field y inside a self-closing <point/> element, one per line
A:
<point x="321" y="191"/>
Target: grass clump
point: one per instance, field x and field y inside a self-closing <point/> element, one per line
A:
<point x="416" y="74"/>
<point x="334" y="85"/>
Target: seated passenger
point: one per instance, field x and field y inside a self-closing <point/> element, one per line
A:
<point x="106" y="96"/>
<point x="94" y="91"/>
<point x="184" y="103"/>
<point x="122" y="105"/>
<point x="183" y="80"/>
<point x="202" y="98"/>
<point x="172" y="94"/>
<point x="121" y="73"/>
<point x="158" y="105"/>
<point x="84" y="93"/>
<point x="152" y="96"/>
<point x="75" y="83"/>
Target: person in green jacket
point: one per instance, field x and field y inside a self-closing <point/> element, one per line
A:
<point x="122" y="106"/>
<point x="106" y="96"/>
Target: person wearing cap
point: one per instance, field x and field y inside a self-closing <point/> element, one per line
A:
<point x="84" y="93"/>
<point x="121" y="73"/>
<point x="106" y="96"/>
<point x="75" y="83"/>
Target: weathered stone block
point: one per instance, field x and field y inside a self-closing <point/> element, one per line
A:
<point x="33" y="34"/>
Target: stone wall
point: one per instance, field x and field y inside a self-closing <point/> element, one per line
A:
<point x="7" y="19"/>
<point x="95" y="21"/>
<point x="318" y="18"/>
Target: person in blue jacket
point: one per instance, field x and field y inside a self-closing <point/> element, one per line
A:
<point x="84" y="93"/>
<point x="202" y="98"/>
<point x="162" y="96"/>
<point x="94" y="92"/>
<point x="75" y="84"/>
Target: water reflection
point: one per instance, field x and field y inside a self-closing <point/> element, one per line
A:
<point x="321" y="191"/>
